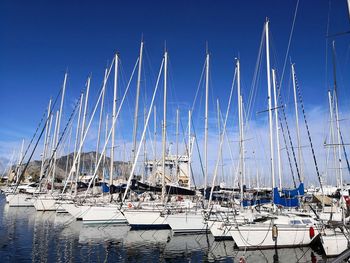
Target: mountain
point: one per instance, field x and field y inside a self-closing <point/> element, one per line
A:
<point x="87" y="166"/>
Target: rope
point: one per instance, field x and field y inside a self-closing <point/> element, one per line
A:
<point x="288" y="132"/>
<point x="37" y="142"/>
<point x="308" y="131"/>
<point x="285" y="139"/>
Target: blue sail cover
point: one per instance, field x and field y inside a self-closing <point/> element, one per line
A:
<point x="284" y="201"/>
<point x="294" y="192"/>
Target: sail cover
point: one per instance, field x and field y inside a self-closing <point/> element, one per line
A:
<point x="294" y="192"/>
<point x="284" y="201"/>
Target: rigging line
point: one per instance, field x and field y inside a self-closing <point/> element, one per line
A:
<point x="143" y="133"/>
<point x="69" y="122"/>
<point x="326" y="46"/>
<point x="187" y="150"/>
<point x="285" y="140"/>
<point x="37" y="142"/>
<point x="32" y="139"/>
<point x="198" y="87"/>
<point x="197" y="146"/>
<point x="40" y="135"/>
<point x="253" y="89"/>
<point x="344" y="150"/>
<point x="308" y="131"/>
<point x="287" y="151"/>
<point x="289" y="41"/>
<point x="288" y="131"/>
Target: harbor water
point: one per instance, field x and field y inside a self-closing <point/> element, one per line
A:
<point x="30" y="236"/>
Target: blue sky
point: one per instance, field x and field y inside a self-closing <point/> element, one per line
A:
<point x="40" y="40"/>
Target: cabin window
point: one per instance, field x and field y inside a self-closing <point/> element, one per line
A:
<point x="295" y="222"/>
<point x="307" y="221"/>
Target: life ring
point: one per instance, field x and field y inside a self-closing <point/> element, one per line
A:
<point x="129" y="205"/>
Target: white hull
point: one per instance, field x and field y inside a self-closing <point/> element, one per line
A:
<point x="260" y="235"/>
<point x="334" y="244"/>
<point x="108" y="214"/>
<point x="17" y="200"/>
<point x="73" y="209"/>
<point x="220" y="230"/>
<point x="45" y="203"/>
<point x="145" y="219"/>
<point x="187" y="223"/>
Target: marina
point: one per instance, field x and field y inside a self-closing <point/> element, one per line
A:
<point x="162" y="156"/>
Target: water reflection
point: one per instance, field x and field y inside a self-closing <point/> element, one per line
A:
<point x="30" y="236"/>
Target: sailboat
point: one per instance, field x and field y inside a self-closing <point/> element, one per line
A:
<point x="275" y="230"/>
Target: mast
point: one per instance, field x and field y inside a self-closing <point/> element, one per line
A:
<point x="82" y="129"/>
<point x="104" y="154"/>
<point x="101" y="116"/>
<point x="20" y="161"/>
<point x="177" y="144"/>
<point x="297" y="124"/>
<point x="116" y="62"/>
<point x="277" y="127"/>
<point x="268" y="70"/>
<point x="137" y="103"/>
<point x="243" y="149"/>
<point x="43" y="158"/>
<point x="332" y="130"/>
<point x="144" y="147"/>
<point x="189" y="150"/>
<point x="164" y="124"/>
<point x="53" y="148"/>
<point x="219" y="130"/>
<point x="206" y="124"/>
<point x="155" y="163"/>
<point x="240" y="123"/>
<point x="59" y="126"/>
<point x="76" y="143"/>
<point x="335" y="98"/>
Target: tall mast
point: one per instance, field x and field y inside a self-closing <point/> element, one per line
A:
<point x="54" y="149"/>
<point x="240" y="123"/>
<point x="137" y="103"/>
<point x="206" y="124"/>
<point x="219" y="131"/>
<point x="189" y="150"/>
<point x="164" y="123"/>
<point x="101" y="116"/>
<point x="177" y="144"/>
<point x="268" y="70"/>
<point x="76" y="144"/>
<point x="104" y="154"/>
<point x="335" y="99"/>
<point x="155" y="162"/>
<point x="116" y="62"/>
<point x="43" y="158"/>
<point x="59" y="126"/>
<point x="243" y="149"/>
<point x="297" y="124"/>
<point x="20" y="161"/>
<point x="331" y="108"/>
<point x="277" y="127"/>
<point x="144" y="147"/>
<point x="83" y="126"/>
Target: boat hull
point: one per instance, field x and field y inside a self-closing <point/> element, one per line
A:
<point x="334" y="244"/>
<point x="45" y="203"/>
<point x="187" y="223"/>
<point x="144" y="219"/>
<point x="252" y="236"/>
<point x="19" y="200"/>
<point x="103" y="215"/>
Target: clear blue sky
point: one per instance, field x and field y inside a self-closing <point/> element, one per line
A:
<point x="41" y="39"/>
